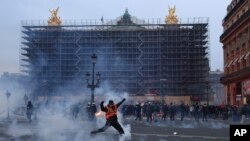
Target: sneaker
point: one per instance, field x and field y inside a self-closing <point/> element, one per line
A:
<point x="93" y="132"/>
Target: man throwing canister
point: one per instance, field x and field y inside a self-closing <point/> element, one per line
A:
<point x="111" y="117"/>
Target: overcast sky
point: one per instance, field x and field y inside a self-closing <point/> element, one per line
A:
<point x="13" y="11"/>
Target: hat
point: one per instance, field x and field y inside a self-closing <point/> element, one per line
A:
<point x="111" y="102"/>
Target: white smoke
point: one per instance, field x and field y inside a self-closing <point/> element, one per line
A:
<point x="191" y="124"/>
<point x="54" y="121"/>
<point x="15" y="99"/>
<point x="17" y="130"/>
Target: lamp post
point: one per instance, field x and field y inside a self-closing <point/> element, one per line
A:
<point x="8" y="94"/>
<point x="93" y="84"/>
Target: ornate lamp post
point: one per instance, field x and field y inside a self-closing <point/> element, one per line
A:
<point x="8" y="94"/>
<point x="93" y="84"/>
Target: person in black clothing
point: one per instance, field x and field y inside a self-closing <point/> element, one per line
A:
<point x="149" y="112"/>
<point x="138" y="112"/>
<point x="111" y="117"/>
<point x="172" y="111"/>
<point x="182" y="110"/>
<point x="204" y="112"/>
<point x="165" y="111"/>
<point x="197" y="111"/>
<point x="234" y="113"/>
<point x="243" y="112"/>
<point x="29" y="110"/>
<point x="88" y="110"/>
<point x="93" y="109"/>
<point x="76" y="109"/>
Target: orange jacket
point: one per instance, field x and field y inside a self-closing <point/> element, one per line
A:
<point x="111" y="111"/>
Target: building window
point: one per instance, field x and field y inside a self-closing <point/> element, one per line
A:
<point x="244" y="63"/>
<point x="243" y="11"/>
<point x="232" y="52"/>
<point x="238" y="66"/>
<point x="243" y="45"/>
<point x="227" y="70"/>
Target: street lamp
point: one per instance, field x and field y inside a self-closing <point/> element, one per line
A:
<point x="93" y="84"/>
<point x="8" y="94"/>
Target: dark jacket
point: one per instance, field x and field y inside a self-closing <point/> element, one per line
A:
<point x="244" y="110"/>
<point x="29" y="108"/>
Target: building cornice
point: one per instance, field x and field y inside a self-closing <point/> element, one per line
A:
<point x="239" y="22"/>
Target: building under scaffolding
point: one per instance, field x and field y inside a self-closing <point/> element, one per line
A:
<point x="134" y="56"/>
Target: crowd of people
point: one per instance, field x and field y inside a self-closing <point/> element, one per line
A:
<point x="110" y="111"/>
<point x="154" y="111"/>
<point x="73" y="111"/>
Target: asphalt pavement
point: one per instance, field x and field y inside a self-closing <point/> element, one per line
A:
<point x="187" y="130"/>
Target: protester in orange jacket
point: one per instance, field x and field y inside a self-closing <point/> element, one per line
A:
<point x="111" y="117"/>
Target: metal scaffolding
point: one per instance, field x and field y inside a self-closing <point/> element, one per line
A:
<point x="134" y="55"/>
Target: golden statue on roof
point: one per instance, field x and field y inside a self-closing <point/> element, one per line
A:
<point x="53" y="19"/>
<point x="171" y="18"/>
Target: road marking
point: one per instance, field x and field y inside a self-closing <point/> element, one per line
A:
<point x="185" y="136"/>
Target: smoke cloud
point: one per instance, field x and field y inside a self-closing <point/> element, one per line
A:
<point x="54" y="119"/>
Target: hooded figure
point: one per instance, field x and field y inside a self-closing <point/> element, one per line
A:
<point x="111" y="117"/>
